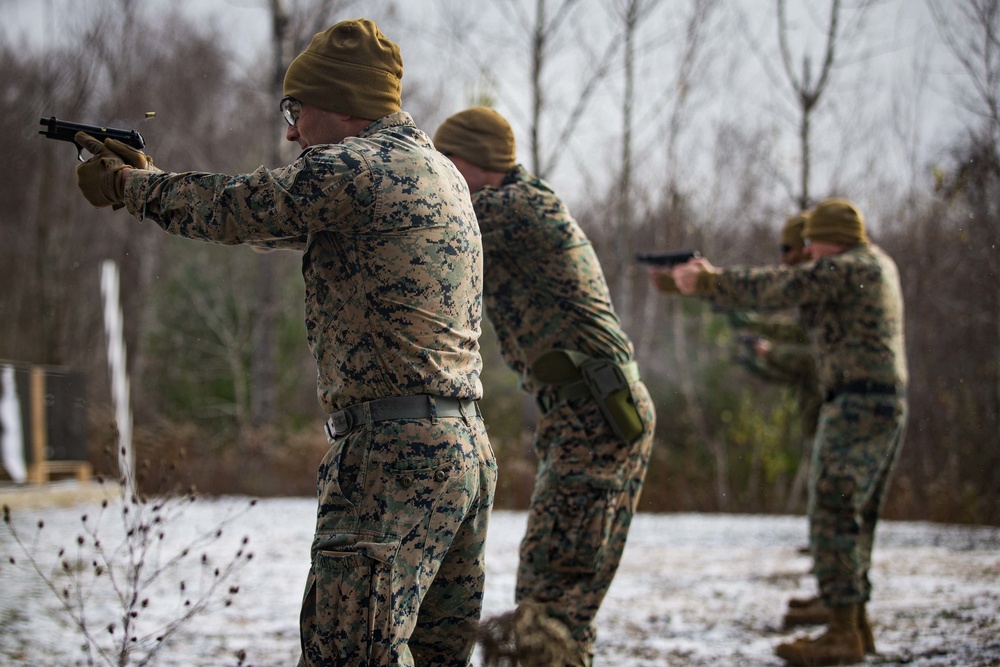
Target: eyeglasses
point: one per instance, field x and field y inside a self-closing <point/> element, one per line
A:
<point x="291" y="109"/>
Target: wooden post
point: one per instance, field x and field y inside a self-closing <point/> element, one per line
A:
<point x="41" y="469"/>
<point x="38" y="472"/>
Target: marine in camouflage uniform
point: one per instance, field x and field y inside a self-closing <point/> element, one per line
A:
<point x="852" y="308"/>
<point x="548" y="301"/>
<point x="778" y="352"/>
<point x="784" y="355"/>
<point x="786" y="359"/>
<point x="392" y="262"/>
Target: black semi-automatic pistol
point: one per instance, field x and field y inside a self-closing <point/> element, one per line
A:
<point x="666" y="260"/>
<point x="65" y="130"/>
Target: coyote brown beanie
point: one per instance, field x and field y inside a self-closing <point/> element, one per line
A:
<point x="481" y="136"/>
<point x="791" y="233"/>
<point x="836" y="221"/>
<point x="349" y="68"/>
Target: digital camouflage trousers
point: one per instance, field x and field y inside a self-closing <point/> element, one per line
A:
<point x="586" y="491"/>
<point x="858" y="441"/>
<point x="398" y="556"/>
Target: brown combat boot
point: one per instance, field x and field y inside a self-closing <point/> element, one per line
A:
<point x="865" y="629"/>
<point x="806" y="611"/>
<point x="526" y="637"/>
<point x="841" y="644"/>
<point x="795" y="603"/>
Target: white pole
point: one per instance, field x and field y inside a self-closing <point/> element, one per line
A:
<point x="116" y="365"/>
<point x="12" y="438"/>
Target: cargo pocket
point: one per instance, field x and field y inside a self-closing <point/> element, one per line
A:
<point x="580" y="530"/>
<point x="346" y="614"/>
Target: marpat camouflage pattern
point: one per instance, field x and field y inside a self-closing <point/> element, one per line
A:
<point x="392" y="266"/>
<point x="852" y="307"/>
<point x="544" y="289"/>
<point x="393" y="280"/>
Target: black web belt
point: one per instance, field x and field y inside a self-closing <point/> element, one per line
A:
<point x="862" y="387"/>
<point x="419" y="406"/>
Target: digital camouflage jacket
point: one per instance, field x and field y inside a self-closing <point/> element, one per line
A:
<point x="851" y="306"/>
<point x="392" y="255"/>
<point x="544" y="287"/>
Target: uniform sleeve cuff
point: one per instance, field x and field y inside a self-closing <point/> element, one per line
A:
<point x="136" y="191"/>
<point x="665" y="283"/>
<point x="707" y="283"/>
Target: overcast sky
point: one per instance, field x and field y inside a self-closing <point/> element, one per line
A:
<point x="898" y="34"/>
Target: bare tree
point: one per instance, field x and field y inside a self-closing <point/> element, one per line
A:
<point x="971" y="32"/>
<point x="666" y="230"/>
<point x="631" y="14"/>
<point x="286" y="38"/>
<point x="546" y="31"/>
<point x="809" y="83"/>
<point x="542" y="34"/>
<point x="807" y="91"/>
<point x="262" y="386"/>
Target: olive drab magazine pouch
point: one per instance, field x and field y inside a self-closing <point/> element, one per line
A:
<point x="576" y="375"/>
<point x="610" y="388"/>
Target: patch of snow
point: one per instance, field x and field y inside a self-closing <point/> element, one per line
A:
<point x="692" y="590"/>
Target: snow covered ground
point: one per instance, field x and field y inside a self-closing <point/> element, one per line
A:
<point x="693" y="589"/>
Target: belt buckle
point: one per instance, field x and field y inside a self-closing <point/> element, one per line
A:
<point x="339" y="424"/>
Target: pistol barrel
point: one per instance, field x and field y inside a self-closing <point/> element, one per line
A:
<point x="64" y="130"/>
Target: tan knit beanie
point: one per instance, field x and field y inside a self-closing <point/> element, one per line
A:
<point x="791" y="233"/>
<point x="349" y="68"/>
<point x="481" y="136"/>
<point x="836" y="221"/>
